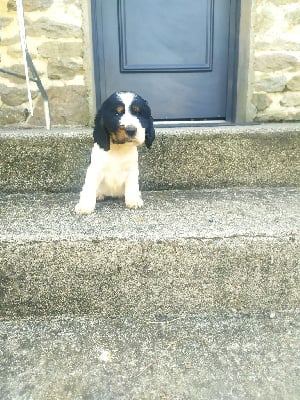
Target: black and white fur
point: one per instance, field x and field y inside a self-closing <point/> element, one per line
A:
<point x="123" y="122"/>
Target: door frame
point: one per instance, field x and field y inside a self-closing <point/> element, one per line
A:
<point x="233" y="62"/>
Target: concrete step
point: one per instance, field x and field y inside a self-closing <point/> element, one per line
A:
<point x="184" y="252"/>
<point x="181" y="158"/>
<point x="182" y="357"/>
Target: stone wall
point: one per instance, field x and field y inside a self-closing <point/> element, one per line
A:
<point x="55" y="42"/>
<point x="276" y="63"/>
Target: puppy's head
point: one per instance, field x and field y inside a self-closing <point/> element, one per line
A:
<point x="124" y="117"/>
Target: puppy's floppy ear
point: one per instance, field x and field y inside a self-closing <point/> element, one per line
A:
<point x="149" y="133"/>
<point x="100" y="133"/>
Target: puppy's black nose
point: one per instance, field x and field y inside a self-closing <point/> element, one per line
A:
<point x="130" y="130"/>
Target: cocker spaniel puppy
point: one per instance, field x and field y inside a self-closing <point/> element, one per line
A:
<point x="123" y="122"/>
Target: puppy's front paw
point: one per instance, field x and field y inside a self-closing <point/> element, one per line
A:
<point x="134" y="203"/>
<point x="84" y="209"/>
<point x="100" y="196"/>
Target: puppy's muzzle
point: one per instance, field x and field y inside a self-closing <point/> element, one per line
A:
<point x="130" y="131"/>
<point x="125" y="134"/>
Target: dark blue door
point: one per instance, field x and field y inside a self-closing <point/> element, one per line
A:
<point x="174" y="53"/>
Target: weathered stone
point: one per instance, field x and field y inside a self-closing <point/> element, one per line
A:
<point x="293" y="17"/>
<point x="283" y="2"/>
<point x="60" y="49"/>
<point x="290" y="100"/>
<point x="278" y="44"/>
<point x="294" y="83"/>
<point x="3" y="89"/>
<point x="31" y="5"/>
<point x="15" y="51"/>
<point x="5" y="21"/>
<point x="63" y="69"/>
<point x="52" y="29"/>
<point x="18" y="68"/>
<point x="11" y="116"/>
<point x="16" y="97"/>
<point x="268" y="62"/>
<point x="261" y="101"/>
<point x="271" y="115"/>
<point x="296" y="116"/>
<point x="68" y="106"/>
<point x="264" y="20"/>
<point x="7" y="41"/>
<point x="278" y="115"/>
<point x="76" y="2"/>
<point x="293" y="114"/>
<point x="274" y="83"/>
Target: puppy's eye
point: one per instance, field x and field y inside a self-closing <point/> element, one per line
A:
<point x="136" y="109"/>
<point x="119" y="110"/>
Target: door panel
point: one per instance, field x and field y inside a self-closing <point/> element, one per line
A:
<point x="171" y="49"/>
<point x="174" y="53"/>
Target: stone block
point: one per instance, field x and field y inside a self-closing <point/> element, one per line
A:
<point x="261" y="101"/>
<point x="270" y="62"/>
<point x="7" y="41"/>
<point x="264" y="20"/>
<point x="5" y="21"/>
<point x="272" y="115"/>
<point x="293" y="17"/>
<point x="278" y="115"/>
<point x="16" y="97"/>
<point x="60" y="49"/>
<point x="3" y="89"/>
<point x="19" y="69"/>
<point x="297" y="116"/>
<point x="294" y="83"/>
<point x="15" y="51"/>
<point x="18" y="81"/>
<point x="63" y="69"/>
<point x="68" y="106"/>
<point x="290" y="100"/>
<point x="273" y="83"/>
<point x="51" y="29"/>
<point x="11" y="116"/>
<point x="283" y="2"/>
<point x="276" y="44"/>
<point x="73" y="2"/>
<point x="30" y="5"/>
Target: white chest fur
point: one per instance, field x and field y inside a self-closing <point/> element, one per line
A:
<point x="114" y="168"/>
<point x="111" y="173"/>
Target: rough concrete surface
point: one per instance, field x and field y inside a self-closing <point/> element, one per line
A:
<point x="180" y="357"/>
<point x="207" y="157"/>
<point x="194" y="297"/>
<point x="185" y="251"/>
